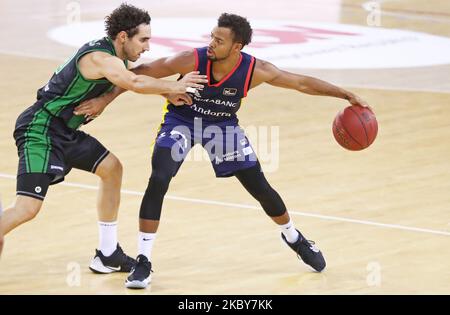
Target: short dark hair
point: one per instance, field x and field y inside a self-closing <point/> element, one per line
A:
<point x="242" y="31"/>
<point x="125" y="18"/>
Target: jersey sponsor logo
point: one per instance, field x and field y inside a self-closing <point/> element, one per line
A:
<point x="55" y="167"/>
<point x="218" y="160"/>
<point x="230" y="156"/>
<point x="94" y="43"/>
<point x="247" y="151"/>
<point x="291" y="43"/>
<point x="216" y="102"/>
<point x="229" y="92"/>
<point x="209" y="112"/>
<point x="196" y="93"/>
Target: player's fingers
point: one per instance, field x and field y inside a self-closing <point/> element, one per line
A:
<point x="82" y="111"/>
<point x="186" y="99"/>
<point x="194" y="86"/>
<point x="196" y="77"/>
<point x="82" y="108"/>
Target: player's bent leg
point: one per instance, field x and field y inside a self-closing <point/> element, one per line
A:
<point x="31" y="191"/>
<point x="110" y="257"/>
<point x="163" y="170"/>
<point x="88" y="154"/>
<point x="110" y="172"/>
<point x="256" y="184"/>
<point x="25" y="208"/>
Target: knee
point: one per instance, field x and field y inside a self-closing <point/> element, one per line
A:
<point x="271" y="202"/>
<point x="159" y="178"/>
<point x="114" y="166"/>
<point x="27" y="211"/>
<point x="262" y="191"/>
<point x="110" y="167"/>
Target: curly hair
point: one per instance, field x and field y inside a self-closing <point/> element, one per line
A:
<point x="125" y="18"/>
<point x="242" y="31"/>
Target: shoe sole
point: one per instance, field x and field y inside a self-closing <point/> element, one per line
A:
<point x="97" y="266"/>
<point x="136" y="284"/>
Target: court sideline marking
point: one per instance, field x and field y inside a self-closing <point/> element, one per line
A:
<point x="242" y="206"/>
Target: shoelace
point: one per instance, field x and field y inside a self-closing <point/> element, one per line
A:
<point x="125" y="258"/>
<point x="134" y="268"/>
<point x="311" y="246"/>
<point x="128" y="259"/>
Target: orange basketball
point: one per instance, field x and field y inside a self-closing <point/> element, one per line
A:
<point x="355" y="128"/>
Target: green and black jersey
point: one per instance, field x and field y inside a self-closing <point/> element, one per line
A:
<point x="46" y="133"/>
<point x="67" y="88"/>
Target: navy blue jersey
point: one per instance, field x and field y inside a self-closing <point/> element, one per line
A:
<point x="218" y="101"/>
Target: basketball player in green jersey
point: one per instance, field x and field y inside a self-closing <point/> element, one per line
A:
<point x="48" y="140"/>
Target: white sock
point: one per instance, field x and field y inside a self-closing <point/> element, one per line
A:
<point x="107" y="242"/>
<point x="289" y="232"/>
<point x="145" y="244"/>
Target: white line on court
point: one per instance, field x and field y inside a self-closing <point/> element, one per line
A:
<point x="236" y="205"/>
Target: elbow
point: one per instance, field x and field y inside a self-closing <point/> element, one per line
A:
<point x="305" y="89"/>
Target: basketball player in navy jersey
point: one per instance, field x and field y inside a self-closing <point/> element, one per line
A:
<point x="231" y="73"/>
<point x="49" y="143"/>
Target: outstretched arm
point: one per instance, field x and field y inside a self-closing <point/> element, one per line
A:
<point x="182" y="63"/>
<point x="113" y="69"/>
<point x="268" y="73"/>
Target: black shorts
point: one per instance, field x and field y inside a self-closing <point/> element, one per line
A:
<point x="48" y="150"/>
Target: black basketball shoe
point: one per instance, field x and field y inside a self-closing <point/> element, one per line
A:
<point x="140" y="276"/>
<point x="307" y="251"/>
<point x="117" y="262"/>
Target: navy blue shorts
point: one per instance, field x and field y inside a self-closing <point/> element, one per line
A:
<point x="228" y="148"/>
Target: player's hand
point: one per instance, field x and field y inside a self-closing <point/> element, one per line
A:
<point x="355" y="100"/>
<point x="191" y="82"/>
<point x="179" y="99"/>
<point x="91" y="108"/>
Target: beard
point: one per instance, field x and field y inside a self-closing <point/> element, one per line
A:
<point x="215" y="58"/>
<point x="133" y="59"/>
<point x="129" y="55"/>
